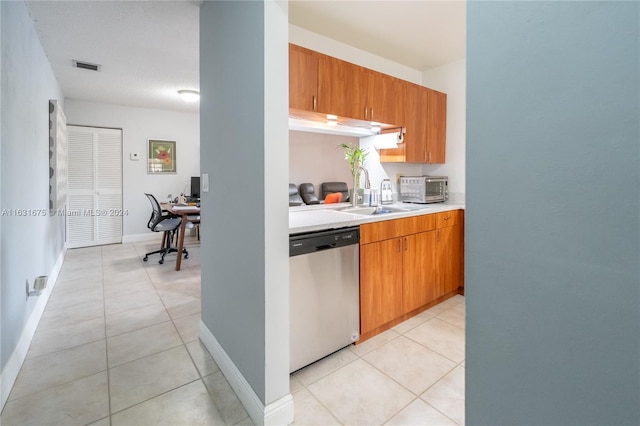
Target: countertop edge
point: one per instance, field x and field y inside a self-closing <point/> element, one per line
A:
<point x="343" y="220"/>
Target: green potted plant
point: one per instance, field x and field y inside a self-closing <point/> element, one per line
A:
<point x="355" y="156"/>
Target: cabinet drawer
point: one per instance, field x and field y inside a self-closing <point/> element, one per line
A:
<point x="451" y="218"/>
<point x="379" y="231"/>
<point x="386" y="229"/>
<point x="415" y="224"/>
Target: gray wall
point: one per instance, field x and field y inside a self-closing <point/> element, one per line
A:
<point x="2" y="398"/>
<point x="232" y="152"/>
<point x="30" y="245"/>
<point x="552" y="220"/>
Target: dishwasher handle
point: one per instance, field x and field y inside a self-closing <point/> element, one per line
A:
<point x="326" y="247"/>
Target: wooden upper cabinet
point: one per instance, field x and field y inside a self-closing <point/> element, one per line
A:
<point x="342" y="88"/>
<point x="414" y="148"/>
<point x="303" y="78"/>
<point x="385" y="99"/>
<point x="323" y="84"/>
<point x="351" y="91"/>
<point x="436" y="126"/>
<point x="425" y="128"/>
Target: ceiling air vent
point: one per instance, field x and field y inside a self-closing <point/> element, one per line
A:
<point x="86" y="65"/>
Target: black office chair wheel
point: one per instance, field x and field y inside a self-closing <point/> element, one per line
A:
<point x="186" y="256"/>
<point x="145" y="258"/>
<point x="161" y="261"/>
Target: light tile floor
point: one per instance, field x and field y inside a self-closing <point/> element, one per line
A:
<point x="118" y="345"/>
<point x="412" y="374"/>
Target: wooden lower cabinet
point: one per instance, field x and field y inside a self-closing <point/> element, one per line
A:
<point x="418" y="272"/>
<point x="450" y="246"/>
<point x="448" y="275"/>
<point x="380" y="283"/>
<point x="406" y="265"/>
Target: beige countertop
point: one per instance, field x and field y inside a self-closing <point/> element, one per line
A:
<point x="319" y="217"/>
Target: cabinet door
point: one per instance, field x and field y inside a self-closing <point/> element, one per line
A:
<point x="416" y="132"/>
<point x="342" y="88"/>
<point x="385" y="99"/>
<point x="380" y="283"/>
<point x="303" y="78"/>
<point x="419" y="270"/>
<point x="414" y="148"/>
<point x="449" y="260"/>
<point x="445" y="261"/>
<point x="436" y="126"/>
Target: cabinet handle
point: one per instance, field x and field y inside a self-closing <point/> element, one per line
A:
<point x="399" y="245"/>
<point x="429" y="156"/>
<point x="365" y="113"/>
<point x="406" y="244"/>
<point x="314" y="103"/>
<point x="425" y="156"/>
<point x="371" y="114"/>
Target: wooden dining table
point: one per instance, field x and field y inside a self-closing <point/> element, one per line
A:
<point x="187" y="214"/>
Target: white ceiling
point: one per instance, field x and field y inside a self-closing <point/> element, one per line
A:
<point x="149" y="49"/>
<point x="418" y="34"/>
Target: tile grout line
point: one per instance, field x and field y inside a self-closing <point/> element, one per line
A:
<point x="200" y="376"/>
<point x="443" y="376"/>
<point x="106" y="342"/>
<point x="433" y="350"/>
<point x="322" y="377"/>
<point x="321" y="403"/>
<point x="416" y="397"/>
<point x="154" y="397"/>
<point x="171" y="319"/>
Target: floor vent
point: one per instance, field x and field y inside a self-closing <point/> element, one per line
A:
<point x="86" y="65"/>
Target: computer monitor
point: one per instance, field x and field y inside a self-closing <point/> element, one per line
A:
<point x="195" y="186"/>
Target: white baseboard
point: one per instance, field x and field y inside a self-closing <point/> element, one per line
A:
<point x="136" y="238"/>
<point x="15" y="361"/>
<point x="279" y="412"/>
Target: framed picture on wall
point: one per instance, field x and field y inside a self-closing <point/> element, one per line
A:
<point x="161" y="156"/>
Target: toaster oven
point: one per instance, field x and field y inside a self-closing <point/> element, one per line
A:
<point x="424" y="189"/>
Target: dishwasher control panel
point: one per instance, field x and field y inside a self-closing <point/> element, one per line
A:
<point x="323" y="240"/>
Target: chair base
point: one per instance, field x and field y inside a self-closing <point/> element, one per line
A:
<point x="164" y="253"/>
<point x="166" y="240"/>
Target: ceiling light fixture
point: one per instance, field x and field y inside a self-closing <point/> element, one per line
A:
<point x="189" y="95"/>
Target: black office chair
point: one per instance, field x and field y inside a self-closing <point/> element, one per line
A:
<point x="168" y="224"/>
<point x="333" y="187"/>
<point x="294" y="196"/>
<point x="308" y="193"/>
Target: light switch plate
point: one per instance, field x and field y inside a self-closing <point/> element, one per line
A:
<point x="134" y="156"/>
<point x="205" y="182"/>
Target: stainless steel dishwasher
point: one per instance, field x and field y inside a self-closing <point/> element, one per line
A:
<point x="324" y="294"/>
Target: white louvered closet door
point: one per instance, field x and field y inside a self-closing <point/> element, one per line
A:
<point x="94" y="208"/>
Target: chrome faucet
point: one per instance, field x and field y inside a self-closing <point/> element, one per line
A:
<point x="367" y="184"/>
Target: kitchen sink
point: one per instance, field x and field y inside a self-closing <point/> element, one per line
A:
<point x="368" y="211"/>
